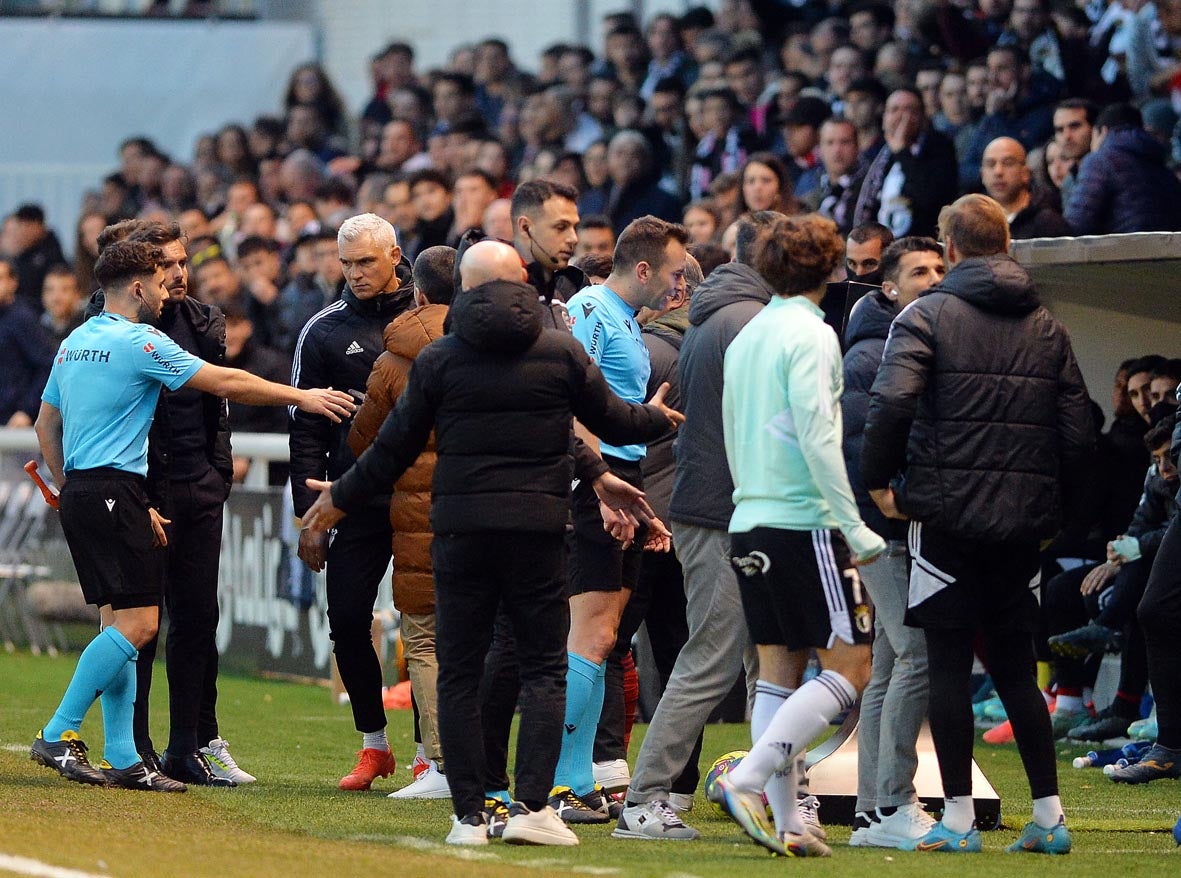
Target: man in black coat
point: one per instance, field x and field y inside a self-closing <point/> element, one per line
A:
<point x="499" y="391"/>
<point x="337" y="348"/>
<point x="979" y="424"/>
<point x="25" y="353"/>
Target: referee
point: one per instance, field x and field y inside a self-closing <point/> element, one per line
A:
<point x="93" y="426"/>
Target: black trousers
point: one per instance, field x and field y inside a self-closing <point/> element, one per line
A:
<point x="1160" y="617"/>
<point x="499" y="691"/>
<point x="475" y="575"/>
<point x="190" y="598"/>
<point x="357" y="559"/>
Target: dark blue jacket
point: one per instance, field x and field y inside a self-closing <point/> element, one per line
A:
<point x="25" y="359"/>
<point x="869" y="324"/>
<point x="634" y="201"/>
<point x="1125" y="187"/>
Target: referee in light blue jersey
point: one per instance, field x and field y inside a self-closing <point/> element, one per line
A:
<point x="93" y="426"/>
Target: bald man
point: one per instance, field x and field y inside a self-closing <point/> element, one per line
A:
<point x="1032" y="213"/>
<point x="499" y="391"/>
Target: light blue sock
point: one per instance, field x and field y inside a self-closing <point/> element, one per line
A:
<point x="100" y="663"/>
<point x="580" y="684"/>
<point x="582" y="778"/>
<point x="118" y="703"/>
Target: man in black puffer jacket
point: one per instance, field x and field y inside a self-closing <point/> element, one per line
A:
<point x="980" y="405"/>
<point x="500" y="391"/>
<point x="1124" y="184"/>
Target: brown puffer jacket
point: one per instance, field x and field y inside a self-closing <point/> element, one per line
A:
<point x="410" y="506"/>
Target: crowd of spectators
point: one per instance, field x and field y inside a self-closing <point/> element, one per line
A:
<point x="865" y="111"/>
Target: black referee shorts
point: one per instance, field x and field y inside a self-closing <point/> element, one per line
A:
<point x="598" y="562"/>
<point x="104" y="514"/>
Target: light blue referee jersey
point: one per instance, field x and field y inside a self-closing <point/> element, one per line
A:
<point x="606" y="326"/>
<point x="106" y="381"/>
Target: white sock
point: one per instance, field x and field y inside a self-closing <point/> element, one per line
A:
<point x="959" y="813"/>
<point x="1047" y="812"/>
<point x="420" y="752"/>
<point x="375" y="741"/>
<point x="1069" y="703"/>
<point x="797" y="721"/>
<point x="780" y="789"/>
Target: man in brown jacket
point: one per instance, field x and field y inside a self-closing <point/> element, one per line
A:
<point x="410" y="506"/>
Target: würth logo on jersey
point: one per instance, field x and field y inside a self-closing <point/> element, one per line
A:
<point x="354" y="348"/>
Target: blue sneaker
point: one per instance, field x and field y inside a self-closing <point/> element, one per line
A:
<point x="942" y="839"/>
<point x="749" y="811"/>
<point x="1039" y="840"/>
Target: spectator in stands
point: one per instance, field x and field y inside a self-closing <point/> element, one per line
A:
<point x="35" y="249"/>
<point x="218" y="284"/>
<point x="667" y="58"/>
<point x="90" y="226"/>
<point x="309" y="86"/>
<point x="727" y="143"/>
<point x="625" y="57"/>
<point x="1018" y="105"/>
<point x="474" y="190"/>
<point x="299" y="175"/>
<point x="595" y="235"/>
<point x="1124" y="185"/>
<point x="61" y="301"/>
<point x="245" y="352"/>
<point x="914" y="174"/>
<point x="840" y="174"/>
<point x="800" y="132"/>
<point x="1074" y="121"/>
<point x="865" y="102"/>
<point x="393" y="68"/>
<point x="1007" y="179"/>
<point x="309" y="291"/>
<point x="955" y="118"/>
<point x="766" y="185"/>
<point x="497" y="78"/>
<point x="702" y="220"/>
<point x="25" y="353"/>
<point x="927" y="80"/>
<point x="453" y="96"/>
<point x="633" y="191"/>
<point x="430" y="190"/>
<point x="1163" y="382"/>
<point x="401" y="149"/>
<point x="498" y="219"/>
<point x="871" y="23"/>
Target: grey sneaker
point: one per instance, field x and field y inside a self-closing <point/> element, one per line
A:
<point x="653" y="820"/>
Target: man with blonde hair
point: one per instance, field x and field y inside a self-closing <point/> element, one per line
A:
<point x="979" y="425"/>
<point x="337" y="348"/>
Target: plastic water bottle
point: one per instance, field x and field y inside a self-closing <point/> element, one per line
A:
<point x="1097" y="759"/>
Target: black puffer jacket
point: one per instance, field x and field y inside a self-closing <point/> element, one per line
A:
<point x="500" y="391"/>
<point x="869" y="324"/>
<point x="1125" y="186"/>
<point x="337" y="348"/>
<point x="723" y="304"/>
<point x="1156" y="510"/>
<point x="979" y="402"/>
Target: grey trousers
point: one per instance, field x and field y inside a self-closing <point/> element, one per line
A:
<point x="706" y="667"/>
<point x="894" y="703"/>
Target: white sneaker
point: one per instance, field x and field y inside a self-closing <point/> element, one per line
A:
<point x="537" y="827"/>
<point x="430" y="784"/>
<point x="653" y="820"/>
<point x="908" y="823"/>
<point x="217" y="754"/>
<point x="468" y="831"/>
<point x="862" y="823"/>
<point x="613" y="775"/>
<point x="809" y="808"/>
<point x="682" y="803"/>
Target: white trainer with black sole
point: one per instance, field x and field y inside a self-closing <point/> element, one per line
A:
<point x="430" y="784"/>
<point x="542" y="827"/>
<point x="654" y="821"/>
<point x="904" y="826"/>
<point x="217" y="754"/>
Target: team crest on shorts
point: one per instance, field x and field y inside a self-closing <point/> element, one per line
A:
<point x="752" y="564"/>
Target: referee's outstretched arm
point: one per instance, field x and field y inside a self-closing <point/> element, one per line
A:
<point x="248" y="389"/>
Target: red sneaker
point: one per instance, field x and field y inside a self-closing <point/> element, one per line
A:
<point x="370" y="764"/>
<point x="419" y="765"/>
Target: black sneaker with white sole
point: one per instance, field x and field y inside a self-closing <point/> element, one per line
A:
<point x="571" y="807"/>
<point x="68" y="758"/>
<point x="193" y="768"/>
<point x="140" y="777"/>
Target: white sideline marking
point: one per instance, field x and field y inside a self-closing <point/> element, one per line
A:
<point x="15" y="748"/>
<point x="26" y="866"/>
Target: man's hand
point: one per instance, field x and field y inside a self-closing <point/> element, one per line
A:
<point x="885" y="500"/>
<point x="1098" y="578"/>
<point x="616" y="494"/>
<point x="313" y="549"/>
<point x="619" y="523"/>
<point x="322" y="516"/>
<point x="332" y="404"/>
<point x="159" y="538"/>
<point x="1001" y="100"/>
<point x="659" y="537"/>
<point x="262" y="289"/>
<point x="674" y="416"/>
